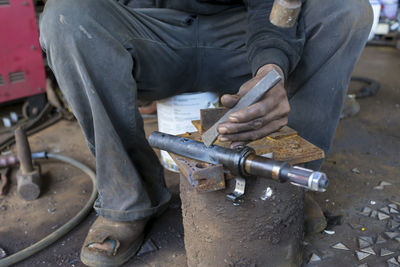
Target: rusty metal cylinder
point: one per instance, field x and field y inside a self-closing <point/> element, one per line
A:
<point x="23" y="150"/>
<point x="284" y="13"/>
<point x="265" y="229"/>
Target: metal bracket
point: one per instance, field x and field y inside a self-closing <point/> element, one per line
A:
<point x="238" y="192"/>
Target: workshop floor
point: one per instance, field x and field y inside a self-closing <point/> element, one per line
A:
<point x="365" y="152"/>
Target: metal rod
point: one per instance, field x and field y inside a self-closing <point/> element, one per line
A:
<point x="241" y="161"/>
<point x="23" y="150"/>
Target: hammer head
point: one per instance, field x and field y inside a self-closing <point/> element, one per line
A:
<point x="28" y="184"/>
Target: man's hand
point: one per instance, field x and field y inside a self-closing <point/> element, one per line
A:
<point x="260" y="119"/>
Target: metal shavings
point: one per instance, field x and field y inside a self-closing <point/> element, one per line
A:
<point x="382" y="216"/>
<point x="267" y="194"/>
<point x="383" y="183"/>
<point x="392" y="205"/>
<point x="361" y="255"/>
<point x="314" y="257"/>
<point x="393" y="225"/>
<point x="391" y="235"/>
<point x="385" y="210"/>
<point x="378" y="187"/>
<point x="374" y="214"/>
<point x="340" y="246"/>
<point x="363" y="244"/>
<point x="369" y="239"/>
<point x="392" y="210"/>
<point x="393" y="260"/>
<point x="386" y="252"/>
<point x="368" y="250"/>
<point x="366" y="211"/>
<point x="3" y="253"/>
<point x="380" y="240"/>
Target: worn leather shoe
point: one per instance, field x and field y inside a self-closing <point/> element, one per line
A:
<point x="112" y="243"/>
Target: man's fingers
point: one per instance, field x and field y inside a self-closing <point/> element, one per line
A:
<point x="255" y="134"/>
<point x="229" y="101"/>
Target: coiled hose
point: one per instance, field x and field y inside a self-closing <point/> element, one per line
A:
<point x="68" y="226"/>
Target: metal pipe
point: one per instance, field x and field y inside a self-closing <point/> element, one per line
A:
<point x="242" y="161"/>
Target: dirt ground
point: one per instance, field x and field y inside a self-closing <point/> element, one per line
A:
<point x="366" y="151"/>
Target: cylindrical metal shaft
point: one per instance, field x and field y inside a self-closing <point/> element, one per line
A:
<point x="241" y="161"/>
<point x="23" y="150"/>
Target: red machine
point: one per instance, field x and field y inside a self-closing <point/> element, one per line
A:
<point x="22" y="72"/>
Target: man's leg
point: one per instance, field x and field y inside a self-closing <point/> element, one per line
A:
<point x="336" y="33"/>
<point x="101" y="52"/>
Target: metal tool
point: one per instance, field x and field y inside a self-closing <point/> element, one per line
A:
<point x="28" y="176"/>
<point x="240" y="161"/>
<point x="251" y="97"/>
<point x="239" y="190"/>
<point x="284" y="13"/>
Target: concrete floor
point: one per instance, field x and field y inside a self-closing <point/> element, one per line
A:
<point x="369" y="141"/>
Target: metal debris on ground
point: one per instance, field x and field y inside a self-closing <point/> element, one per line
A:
<point x="147" y="247"/>
<point x="267" y="193"/>
<point x="368" y="250"/>
<point x="380" y="240"/>
<point x="361" y="255"/>
<point x="393" y="206"/>
<point x="372" y="202"/>
<point x="397" y="239"/>
<point x="385" y="252"/>
<point x="378" y="187"/>
<point x="385" y="210"/>
<point x="355" y="170"/>
<point x="314" y="257"/>
<point x="383" y="216"/>
<point x="393" y="225"/>
<point x="3" y="253"/>
<point x="391" y="235"/>
<point x="340" y="246"/>
<point x="383" y="183"/>
<point x="374" y="214"/>
<point x="369" y="239"/>
<point x="393" y="211"/>
<point x="363" y="244"/>
<point x="393" y="261"/>
<point x="366" y="211"/>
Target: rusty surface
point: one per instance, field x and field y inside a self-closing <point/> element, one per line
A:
<point x="209" y="116"/>
<point x="205" y="177"/>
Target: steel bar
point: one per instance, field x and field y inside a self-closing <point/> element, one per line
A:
<point x="251" y="97"/>
<point x="241" y="161"/>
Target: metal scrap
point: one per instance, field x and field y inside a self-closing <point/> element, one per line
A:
<point x="383" y="183"/>
<point x="340" y="246"/>
<point x="361" y="255"/>
<point x="380" y="240"/>
<point x="385" y="252"/>
<point x="391" y="235"/>
<point x="363" y="244"/>
<point x="385" y="210"/>
<point x="314" y="257"/>
<point x="368" y="239"/>
<point x="374" y="214"/>
<point x="393" y="261"/>
<point x="368" y="250"/>
<point x="147" y="247"/>
<point x="3" y="253"/>
<point x="382" y="216"/>
<point x="366" y="211"/>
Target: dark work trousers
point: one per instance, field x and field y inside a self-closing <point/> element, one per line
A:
<point x="106" y="54"/>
